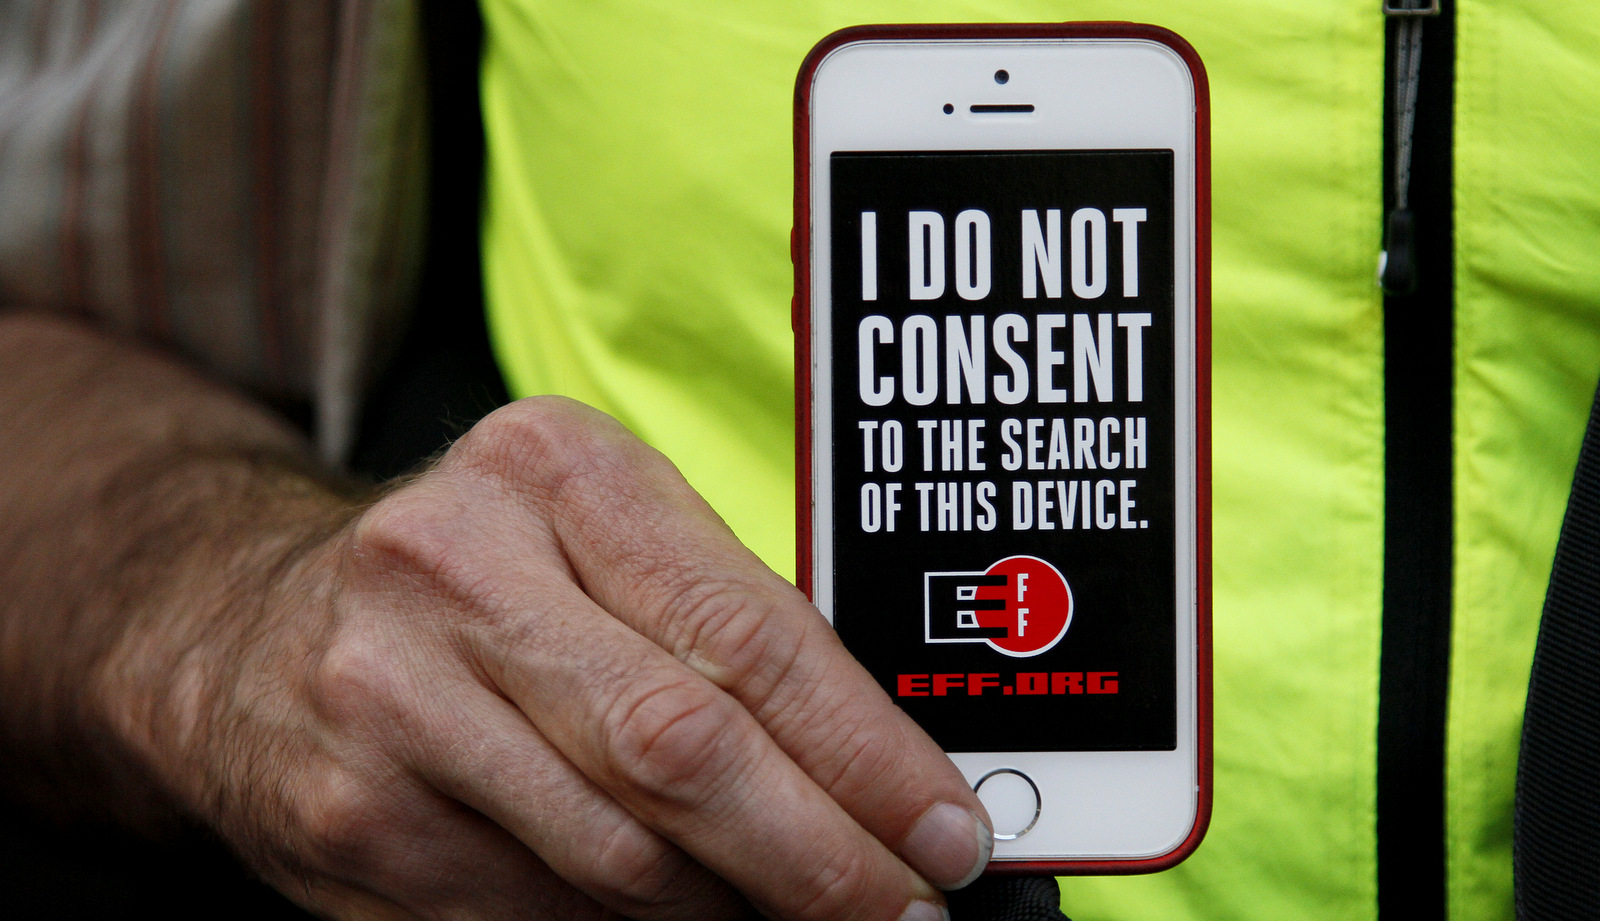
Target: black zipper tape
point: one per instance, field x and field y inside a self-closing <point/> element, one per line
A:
<point x="1414" y="669"/>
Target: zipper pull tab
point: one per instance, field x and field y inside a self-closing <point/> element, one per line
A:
<point x="1397" y="264"/>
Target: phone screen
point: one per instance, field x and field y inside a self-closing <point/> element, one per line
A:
<point x="1006" y="438"/>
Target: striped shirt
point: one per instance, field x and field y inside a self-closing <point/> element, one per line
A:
<point x="238" y="182"/>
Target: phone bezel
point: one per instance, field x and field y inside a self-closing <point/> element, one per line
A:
<point x="977" y="41"/>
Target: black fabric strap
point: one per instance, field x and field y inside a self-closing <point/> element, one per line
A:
<point x="1558" y="774"/>
<point x="993" y="899"/>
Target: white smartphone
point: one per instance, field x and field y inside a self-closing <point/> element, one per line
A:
<point x="1002" y="362"/>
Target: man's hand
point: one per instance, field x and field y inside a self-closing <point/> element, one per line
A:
<point x="542" y="679"/>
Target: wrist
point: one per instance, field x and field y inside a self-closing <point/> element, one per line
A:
<point x="224" y="550"/>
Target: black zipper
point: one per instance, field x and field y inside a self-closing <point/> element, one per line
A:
<point x="1414" y="668"/>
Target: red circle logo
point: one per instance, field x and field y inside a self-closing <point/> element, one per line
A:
<point x="1038" y="606"/>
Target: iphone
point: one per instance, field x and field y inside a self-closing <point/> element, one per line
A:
<point x="1002" y="316"/>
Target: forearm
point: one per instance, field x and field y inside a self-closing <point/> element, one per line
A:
<point x="543" y="676"/>
<point x="142" y="505"/>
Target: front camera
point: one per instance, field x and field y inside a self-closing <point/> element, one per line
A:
<point x="1001" y="77"/>
<point x="948" y="108"/>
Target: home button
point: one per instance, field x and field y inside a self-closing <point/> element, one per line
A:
<point x="1012" y="799"/>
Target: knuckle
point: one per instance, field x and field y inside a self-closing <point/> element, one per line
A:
<point x="855" y="754"/>
<point x="837" y="887"/>
<point x="675" y="741"/>
<point x="424" y="541"/>
<point x="547" y="444"/>
<point x="387" y="834"/>
<point x="641" y="874"/>
<point x="407" y="534"/>
<point x="380" y="833"/>
<point x="854" y="761"/>
<point x="512" y="435"/>
<point x="345" y="826"/>
<point x="727" y="625"/>
<point x="350" y="680"/>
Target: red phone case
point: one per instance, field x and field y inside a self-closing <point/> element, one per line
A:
<point x="800" y="243"/>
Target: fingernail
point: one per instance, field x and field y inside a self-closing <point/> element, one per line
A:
<point x="925" y="911"/>
<point x="949" y="846"/>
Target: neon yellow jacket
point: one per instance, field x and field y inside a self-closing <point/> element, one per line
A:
<point x="636" y="247"/>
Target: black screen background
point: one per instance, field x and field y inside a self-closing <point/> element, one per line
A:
<point x="1123" y="581"/>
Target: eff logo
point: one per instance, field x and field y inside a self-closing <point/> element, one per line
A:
<point x="1020" y="606"/>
